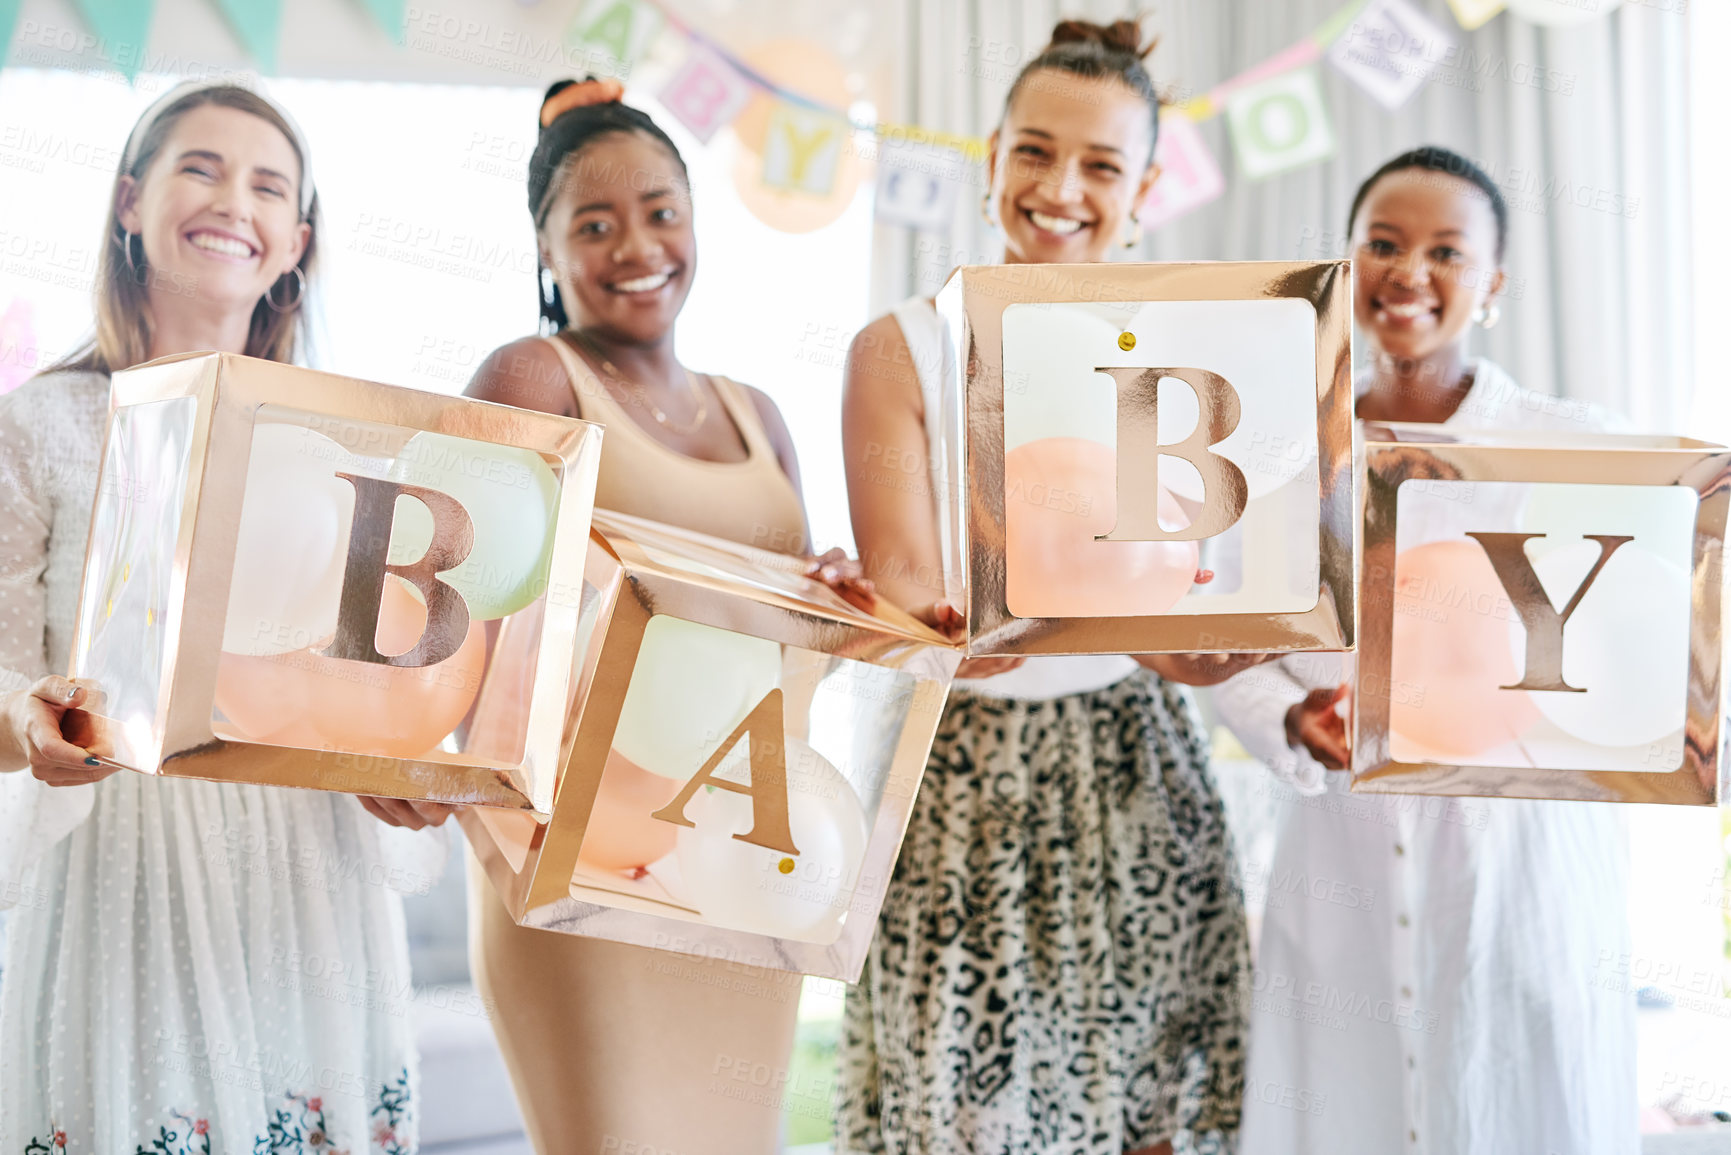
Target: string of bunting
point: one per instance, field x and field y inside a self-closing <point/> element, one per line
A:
<point x="1275" y="110"/>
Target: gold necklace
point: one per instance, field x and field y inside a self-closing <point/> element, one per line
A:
<point x="655" y="411"/>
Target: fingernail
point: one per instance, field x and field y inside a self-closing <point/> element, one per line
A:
<point x="72" y="693"/>
<point x="93" y="761"/>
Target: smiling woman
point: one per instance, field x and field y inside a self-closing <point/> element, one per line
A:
<point x="611" y="201"/>
<point x="227" y="217"/>
<point x="168" y="928"/>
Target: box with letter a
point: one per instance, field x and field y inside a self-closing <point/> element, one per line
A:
<point x="291" y="579"/>
<point x="1149" y="458"/>
<point x="1540" y="615"/>
<point x="742" y="763"/>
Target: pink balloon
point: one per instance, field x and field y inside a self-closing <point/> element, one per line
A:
<point x="306" y="699"/>
<point x="1059" y="494"/>
<point x="621" y="835"/>
<point x="1450" y="653"/>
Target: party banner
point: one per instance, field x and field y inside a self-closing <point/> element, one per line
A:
<point x="803" y="149"/>
<point x="1279" y="123"/>
<point x="1540" y="615"/>
<point x="917" y="185"/>
<point x="19" y="351"/>
<point x="257" y="24"/>
<point x="8" y="22"/>
<point x="611" y="35"/>
<point x="1390" y="50"/>
<point x="1189" y="177"/>
<point x="1472" y="14"/>
<point x="357" y="542"/>
<point x="388" y="15"/>
<point x="123" y="26"/>
<point x="706" y="94"/>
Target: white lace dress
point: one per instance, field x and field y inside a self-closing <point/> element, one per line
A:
<point x="191" y="966"/>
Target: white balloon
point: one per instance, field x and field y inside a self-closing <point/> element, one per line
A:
<point x="691" y="686"/>
<point x="511" y="497"/>
<point x="1562" y="13"/>
<point x="289" y="554"/>
<point x="1661" y="518"/>
<point x="743" y="886"/>
<point x="1626" y="645"/>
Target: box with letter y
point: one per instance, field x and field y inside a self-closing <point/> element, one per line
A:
<point x="1541" y="615"/>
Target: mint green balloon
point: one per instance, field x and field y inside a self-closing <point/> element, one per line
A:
<point x="511" y="496"/>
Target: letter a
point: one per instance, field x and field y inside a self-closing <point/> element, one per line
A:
<point x="1544" y="625"/>
<point x="768" y="787"/>
<point x="1224" y="492"/>
<point x="364" y="575"/>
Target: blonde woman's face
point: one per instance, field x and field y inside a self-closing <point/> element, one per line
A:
<point x="218" y="209"/>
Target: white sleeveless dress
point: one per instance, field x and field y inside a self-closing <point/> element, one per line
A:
<point x="190" y="966"/>
<point x="1061" y="965"/>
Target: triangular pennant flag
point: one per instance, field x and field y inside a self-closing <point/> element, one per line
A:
<point x="917" y="184"/>
<point x="121" y="28"/>
<point x="257" y="24"/>
<point x="706" y="93"/>
<point x="1189" y="178"/>
<point x="610" y="36"/>
<point x="388" y="15"/>
<point x="802" y="149"/>
<point x="8" y="21"/>
<point x="19" y="353"/>
<point x="1471" y="14"/>
<point x="1280" y="123"/>
<point x="1390" y="50"/>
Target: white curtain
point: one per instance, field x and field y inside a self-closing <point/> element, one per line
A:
<point x="1593" y="159"/>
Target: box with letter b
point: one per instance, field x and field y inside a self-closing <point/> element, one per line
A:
<point x="1149" y="458"/>
<point x="291" y="577"/>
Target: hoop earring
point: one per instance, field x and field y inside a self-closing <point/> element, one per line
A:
<point x="133" y="267"/>
<point x="1487" y="318"/>
<point x="986" y="210"/>
<point x="1135" y="233"/>
<point x="300" y="293"/>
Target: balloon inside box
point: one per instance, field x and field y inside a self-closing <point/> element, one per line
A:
<point x="1123" y="470"/>
<point x="1540" y="616"/>
<point x="743" y="762"/>
<point x="362" y="538"/>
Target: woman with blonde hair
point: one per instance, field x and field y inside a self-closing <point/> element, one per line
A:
<point x="191" y="966"/>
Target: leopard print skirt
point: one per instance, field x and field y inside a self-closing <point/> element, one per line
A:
<point x="1062" y="963"/>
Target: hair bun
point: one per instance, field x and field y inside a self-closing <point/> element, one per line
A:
<point x="1118" y="36"/>
<point x="564" y="95"/>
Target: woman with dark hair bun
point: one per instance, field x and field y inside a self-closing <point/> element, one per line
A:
<point x="1061" y="966"/>
<point x="1439" y="975"/>
<point x="609" y="1044"/>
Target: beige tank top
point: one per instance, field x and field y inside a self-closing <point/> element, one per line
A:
<point x="750" y="501"/>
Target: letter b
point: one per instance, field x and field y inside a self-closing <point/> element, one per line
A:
<point x="1224" y="491"/>
<point x="364" y="576"/>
